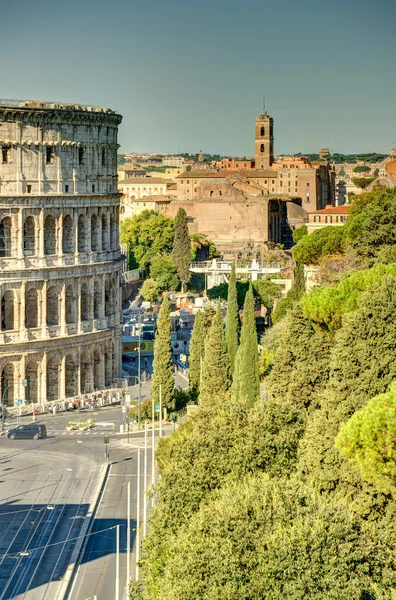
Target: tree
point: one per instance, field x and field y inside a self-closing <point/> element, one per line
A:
<point x="148" y="234"/>
<point x="232" y="319"/>
<point x="362" y="182"/>
<point x="246" y="383"/>
<point x="369" y="438"/>
<point x="162" y="366"/>
<point x="299" y="233"/>
<point x="362" y="169"/>
<point x="164" y="272"/>
<point x="266" y="291"/>
<point x="150" y="291"/>
<point x="327" y="240"/>
<point x="274" y="539"/>
<point x="197" y="351"/>
<point x="181" y="252"/>
<point x="216" y="364"/>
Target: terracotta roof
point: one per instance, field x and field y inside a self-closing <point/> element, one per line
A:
<point x="224" y="174"/>
<point x="153" y="198"/>
<point x="140" y="180"/>
<point x="332" y="210"/>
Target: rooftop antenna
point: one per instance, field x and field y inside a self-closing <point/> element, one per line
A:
<point x="264" y="109"/>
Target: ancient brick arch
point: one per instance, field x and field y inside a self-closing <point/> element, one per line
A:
<point x="70" y="376"/>
<point x="8" y="311"/>
<point x="29" y="236"/>
<point x="31" y="308"/>
<point x="32" y="375"/>
<point x="52" y="379"/>
<point x="8" y="383"/>
<point x="67" y="235"/>
<point x="94" y="233"/>
<point x="50" y="235"/>
<point x="5" y="236"/>
<point x="52" y="305"/>
<point x="82" y="233"/>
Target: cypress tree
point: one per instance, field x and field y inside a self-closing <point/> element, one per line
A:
<point x="197" y="351"/>
<point x="232" y="319"/>
<point x="162" y="366"/>
<point x="216" y="364"/>
<point x="181" y="253"/>
<point x="246" y="384"/>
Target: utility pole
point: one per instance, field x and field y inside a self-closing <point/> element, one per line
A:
<point x="128" y="570"/>
<point x="160" y="411"/>
<point x="117" y="576"/>
<point x="137" y="519"/>
<point x="139" y="413"/>
<point x="145" y="480"/>
<point x="153" y="445"/>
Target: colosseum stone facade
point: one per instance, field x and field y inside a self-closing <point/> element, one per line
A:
<point x="60" y="260"/>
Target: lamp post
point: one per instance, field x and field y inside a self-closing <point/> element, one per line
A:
<point x="3" y="406"/>
<point x="140" y="325"/>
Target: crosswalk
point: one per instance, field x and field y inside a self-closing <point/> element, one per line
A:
<point x="51" y="432"/>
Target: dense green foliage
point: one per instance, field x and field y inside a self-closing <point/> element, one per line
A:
<point x="311" y="248"/>
<point x="292" y="497"/>
<point x="202" y="248"/>
<point x="197" y="351"/>
<point x="336" y="157"/>
<point x="284" y="305"/>
<point x="369" y="438"/>
<point x="232" y="319"/>
<point x="163" y="381"/>
<point x="362" y="182"/>
<point x="216" y="363"/>
<point x="299" y="233"/>
<point x="362" y="169"/>
<point x="246" y="382"/>
<point x="181" y="251"/>
<point x="148" y="234"/>
<point x="265" y="291"/>
<point x="164" y="272"/>
<point x="149" y="290"/>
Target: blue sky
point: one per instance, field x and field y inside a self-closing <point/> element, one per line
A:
<point x="190" y="74"/>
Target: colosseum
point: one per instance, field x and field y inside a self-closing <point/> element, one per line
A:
<point x="60" y="259"/>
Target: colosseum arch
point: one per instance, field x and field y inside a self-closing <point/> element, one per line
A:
<point x="67" y="235"/>
<point x="8" y="384"/>
<point x="52" y="306"/>
<point x="107" y="368"/>
<point x="31" y="393"/>
<point x="31" y="308"/>
<point x="70" y="305"/>
<point x="85" y="373"/>
<point x="85" y="303"/>
<point x="52" y="379"/>
<point x="82" y="234"/>
<point x="107" y="299"/>
<point x="97" y="369"/>
<point x="104" y="233"/>
<point x="94" y="233"/>
<point x="113" y="232"/>
<point x="5" y="236"/>
<point x="70" y="377"/>
<point x="50" y="235"/>
<point x="8" y="311"/>
<point x="97" y="300"/>
<point x="29" y="237"/>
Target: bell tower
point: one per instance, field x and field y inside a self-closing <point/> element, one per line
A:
<point x="264" y="153"/>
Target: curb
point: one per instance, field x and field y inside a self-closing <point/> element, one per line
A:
<point x="75" y="558"/>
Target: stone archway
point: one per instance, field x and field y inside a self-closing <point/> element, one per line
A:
<point x="8" y="384"/>
<point x="85" y="373"/>
<point x="31" y="308"/>
<point x="52" y="380"/>
<point x="52" y="306"/>
<point x="104" y="233"/>
<point x="8" y="311"/>
<point x="82" y="234"/>
<point x="49" y="235"/>
<point x="29" y="237"/>
<point x="85" y="303"/>
<point x="97" y="300"/>
<point x="5" y="236"/>
<point x="94" y="233"/>
<point x="97" y="370"/>
<point x="70" y="305"/>
<point x="67" y="235"/>
<point x="70" y="377"/>
<point x="31" y="393"/>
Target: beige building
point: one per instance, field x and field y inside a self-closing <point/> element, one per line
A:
<point x="60" y="261"/>
<point x="135" y="189"/>
<point x="331" y="215"/>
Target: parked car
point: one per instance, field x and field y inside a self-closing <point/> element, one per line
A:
<point x="32" y="431"/>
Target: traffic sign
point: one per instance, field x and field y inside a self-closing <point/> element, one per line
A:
<point x="127" y="399"/>
<point x="157" y="407"/>
<point x="19" y="401"/>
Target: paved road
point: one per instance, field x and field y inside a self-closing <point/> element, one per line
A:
<point x="61" y="472"/>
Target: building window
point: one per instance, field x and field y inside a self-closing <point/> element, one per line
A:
<point x="93" y="188"/>
<point x="188" y="181"/>
<point x="307" y="184"/>
<point x="181" y="181"/>
<point x="195" y="190"/>
<point x="308" y="200"/>
<point x="66" y="189"/>
<point x="103" y="156"/>
<point x="261" y="148"/>
<point x="317" y="219"/>
<point x="4" y="153"/>
<point x="29" y="188"/>
<point x="262" y="132"/>
<point x="81" y="156"/>
<point x="49" y="155"/>
<point x="195" y="181"/>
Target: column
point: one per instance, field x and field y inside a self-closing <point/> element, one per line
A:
<point x="44" y="310"/>
<point x="78" y="306"/>
<point x="59" y="237"/>
<point x="102" y="304"/>
<point x="108" y="237"/>
<point x="78" y="386"/>
<point x="19" y="237"/>
<point x="75" y="226"/>
<point x="41" y="234"/>
<point x="100" y="247"/>
<point x="88" y="231"/>
<point x="22" y="312"/>
<point x="44" y="378"/>
<point x="62" y="316"/>
<point x="62" y="379"/>
<point x="21" y="390"/>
